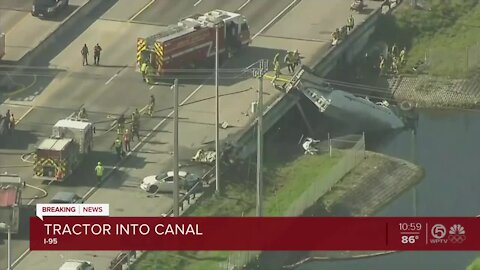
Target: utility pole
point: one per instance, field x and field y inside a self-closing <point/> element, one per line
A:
<point x="217" y="118"/>
<point x="175" y="152"/>
<point x="261" y="71"/>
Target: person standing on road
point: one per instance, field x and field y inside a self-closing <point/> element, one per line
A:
<point x="350" y="23"/>
<point x="118" y="147"/>
<point x="84" y="52"/>
<point x="11" y="124"/>
<point x="126" y="140"/>
<point x="151" y="106"/>
<point x="136" y="131"/>
<point x="99" y="172"/>
<point x="96" y="54"/>
<point x="277" y="73"/>
<point x="289" y="61"/>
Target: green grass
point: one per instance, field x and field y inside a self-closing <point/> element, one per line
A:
<point x="283" y="183"/>
<point x="475" y="265"/>
<point x="443" y="33"/>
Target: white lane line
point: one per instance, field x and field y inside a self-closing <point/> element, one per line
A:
<point x="151" y="87"/>
<point x="111" y="78"/>
<point x="243" y="5"/>
<point x="141" y="10"/>
<point x="21" y="257"/>
<point x="197" y="3"/>
<point x="275" y="18"/>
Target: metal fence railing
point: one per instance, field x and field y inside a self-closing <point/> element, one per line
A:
<point x="466" y="58"/>
<point x="352" y="150"/>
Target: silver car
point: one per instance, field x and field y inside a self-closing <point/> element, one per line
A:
<point x="164" y="182"/>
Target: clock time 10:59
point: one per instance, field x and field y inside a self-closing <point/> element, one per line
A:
<point x="410" y="226"/>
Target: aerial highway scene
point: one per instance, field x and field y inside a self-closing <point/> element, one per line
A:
<point x="238" y="108"/>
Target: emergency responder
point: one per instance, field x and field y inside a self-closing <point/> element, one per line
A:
<point x="59" y="175"/>
<point x="402" y="56"/>
<point x="296" y="59"/>
<point x="84" y="52"/>
<point x="394" y="66"/>
<point x="335" y="36"/>
<point x="135" y="131"/>
<point x="96" y="54"/>
<point x="394" y="50"/>
<point x="126" y="140"/>
<point x="382" y="65"/>
<point x="120" y="124"/>
<point x="82" y="114"/>
<point x="143" y="69"/>
<point x="289" y="61"/>
<point x="118" y="147"/>
<point x="350" y="23"/>
<point x="151" y="106"/>
<point x="99" y="171"/>
<point x="276" y="69"/>
<point x="11" y="124"/>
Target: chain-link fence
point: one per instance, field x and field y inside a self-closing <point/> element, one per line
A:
<point x="352" y="151"/>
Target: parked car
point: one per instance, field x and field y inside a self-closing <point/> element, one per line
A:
<point x="66" y="197"/>
<point x="76" y="265"/>
<point x="164" y="182"/>
<point x="48" y="8"/>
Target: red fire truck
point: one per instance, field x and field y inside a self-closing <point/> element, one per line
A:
<point x="191" y="42"/>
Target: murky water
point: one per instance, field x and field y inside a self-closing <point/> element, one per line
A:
<point x="447" y="146"/>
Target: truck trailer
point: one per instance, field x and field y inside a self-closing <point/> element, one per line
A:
<point x="191" y="42"/>
<point x="57" y="157"/>
<point x="2" y="44"/>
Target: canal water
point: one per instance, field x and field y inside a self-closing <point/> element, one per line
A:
<point x="447" y="146"/>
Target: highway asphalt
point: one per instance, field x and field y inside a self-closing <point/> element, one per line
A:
<point x="110" y="89"/>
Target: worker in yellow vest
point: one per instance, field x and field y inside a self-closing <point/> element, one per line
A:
<point x="99" y="171"/>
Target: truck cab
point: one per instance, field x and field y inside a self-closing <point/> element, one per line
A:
<point x="48" y="8"/>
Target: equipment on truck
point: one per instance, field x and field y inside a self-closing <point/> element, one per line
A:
<point x="191" y="41"/>
<point x="58" y="156"/>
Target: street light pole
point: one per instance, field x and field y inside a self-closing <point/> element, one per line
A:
<point x="260" y="145"/>
<point x="175" y="152"/>
<point x="9" y="242"/>
<point x="217" y="118"/>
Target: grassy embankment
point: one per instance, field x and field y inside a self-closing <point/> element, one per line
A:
<point x="443" y="33"/>
<point x="284" y="183"/>
<point x="475" y="265"/>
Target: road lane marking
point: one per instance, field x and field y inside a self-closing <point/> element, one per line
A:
<point x="243" y="5"/>
<point x="111" y="78"/>
<point x="151" y="87"/>
<point x="107" y="175"/>
<point x="141" y="10"/>
<point x="197" y="3"/>
<point x="24" y="115"/>
<point x="275" y="18"/>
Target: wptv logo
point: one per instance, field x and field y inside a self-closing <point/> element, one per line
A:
<point x="456" y="234"/>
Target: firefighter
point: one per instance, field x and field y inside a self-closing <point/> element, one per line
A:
<point x="296" y="59"/>
<point x="82" y="114"/>
<point x="382" y="65"/>
<point x="143" y="69"/>
<point x="120" y="124"/>
<point x="118" y="147"/>
<point x="151" y="106"/>
<point x="126" y="140"/>
<point x="277" y="72"/>
<point x="289" y="61"/>
<point x="135" y="131"/>
<point x="84" y="52"/>
<point x="335" y="36"/>
<point x="99" y="171"/>
<point x="96" y="54"/>
<point x="59" y="175"/>
<point x="394" y="66"/>
<point x="350" y="23"/>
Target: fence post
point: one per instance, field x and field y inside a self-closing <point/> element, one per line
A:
<point x="466" y="58"/>
<point x="329" y="145"/>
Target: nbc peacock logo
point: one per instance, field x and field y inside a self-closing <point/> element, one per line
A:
<point x="457" y="234"/>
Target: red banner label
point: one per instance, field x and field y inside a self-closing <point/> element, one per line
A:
<point x="245" y="233"/>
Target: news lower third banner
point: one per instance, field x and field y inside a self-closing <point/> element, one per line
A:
<point x="248" y="233"/>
